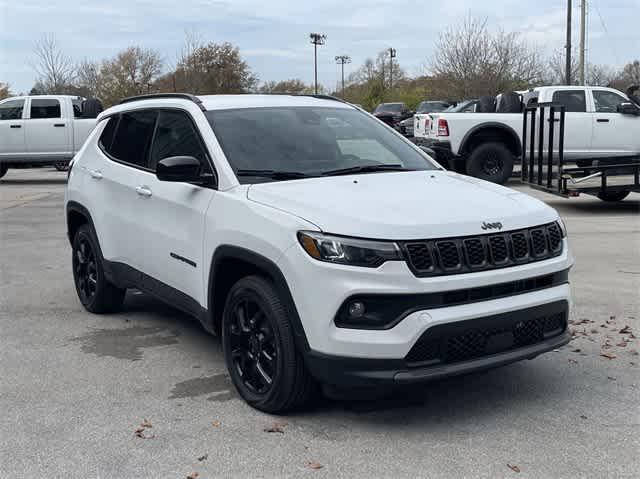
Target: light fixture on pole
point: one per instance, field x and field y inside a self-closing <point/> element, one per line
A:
<point x="316" y="39"/>
<point x="341" y="60"/>
<point x="392" y="55"/>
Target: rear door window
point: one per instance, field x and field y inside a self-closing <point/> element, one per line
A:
<point x="574" y="100"/>
<point x="44" y="108"/>
<point x="11" y="110"/>
<point x="132" y="138"/>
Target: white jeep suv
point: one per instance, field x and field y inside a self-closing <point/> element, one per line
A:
<point x="320" y="244"/>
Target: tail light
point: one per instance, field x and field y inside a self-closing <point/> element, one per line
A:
<point x="443" y="127"/>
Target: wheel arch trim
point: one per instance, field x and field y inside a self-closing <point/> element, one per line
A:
<point x="491" y="125"/>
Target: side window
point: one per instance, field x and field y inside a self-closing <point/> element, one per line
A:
<point x="106" y="138"/>
<point x="574" y="100"/>
<point x="607" y="101"/>
<point x="133" y="137"/>
<point x="11" y="110"/>
<point x="44" y="108"/>
<point x="175" y="136"/>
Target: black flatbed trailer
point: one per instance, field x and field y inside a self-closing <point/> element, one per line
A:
<point x="545" y="168"/>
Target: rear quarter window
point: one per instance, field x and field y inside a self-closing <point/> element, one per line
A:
<point x="132" y="138"/>
<point x="106" y="138"/>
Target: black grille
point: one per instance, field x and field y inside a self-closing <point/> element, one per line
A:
<point x="538" y="242"/>
<point x="476" y="338"/>
<point x="449" y="255"/>
<point x="421" y="256"/>
<point x="466" y="254"/>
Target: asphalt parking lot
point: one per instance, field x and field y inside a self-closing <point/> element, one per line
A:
<point x="144" y="394"/>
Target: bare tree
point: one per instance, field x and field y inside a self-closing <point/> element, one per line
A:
<point x="4" y="90"/>
<point x="476" y="62"/>
<point x="556" y="68"/>
<point x="131" y="72"/>
<point x="55" y="69"/>
<point x="88" y="78"/>
<point x="601" y="75"/>
<point x="631" y="73"/>
<point x="294" y="85"/>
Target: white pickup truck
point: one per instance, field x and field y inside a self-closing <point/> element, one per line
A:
<point x="43" y="128"/>
<point x="600" y="123"/>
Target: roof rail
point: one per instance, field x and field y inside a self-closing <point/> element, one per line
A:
<point x="154" y="96"/>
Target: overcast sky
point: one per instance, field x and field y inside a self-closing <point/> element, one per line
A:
<point x="273" y="35"/>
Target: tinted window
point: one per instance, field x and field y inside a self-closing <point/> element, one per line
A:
<point x="45" y="108"/>
<point x="309" y="140"/>
<point x="432" y="107"/>
<point x="106" y="138"/>
<point x="574" y="100"/>
<point x="175" y="136"/>
<point x="11" y="110"/>
<point x="607" y="101"/>
<point x="133" y="137"/>
<point x="390" y="107"/>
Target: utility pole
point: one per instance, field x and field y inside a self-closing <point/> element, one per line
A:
<point x="316" y="39"/>
<point x="392" y="55"/>
<point x="568" y="46"/>
<point x="583" y="28"/>
<point x="341" y="60"/>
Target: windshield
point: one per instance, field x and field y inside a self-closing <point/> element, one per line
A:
<point x="431" y="107"/>
<point x="390" y="107"/>
<point x="309" y="141"/>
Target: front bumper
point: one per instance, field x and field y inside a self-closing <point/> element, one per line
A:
<point x="485" y="343"/>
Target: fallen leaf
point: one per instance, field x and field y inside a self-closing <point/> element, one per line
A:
<point x="514" y="468"/>
<point x="140" y="433"/>
<point x="582" y="321"/>
<point x="611" y="378"/>
<point x="193" y="475"/>
<point x="632" y="363"/>
<point x="276" y="427"/>
<point x="215" y="423"/>
<point x="313" y="465"/>
<point x="583" y="417"/>
<point x="634" y="353"/>
<point x="146" y="423"/>
<point x="626" y="330"/>
<point x="608" y="355"/>
<point x="202" y="458"/>
<point x="594" y="331"/>
<point x="603" y="325"/>
<point x="573" y="361"/>
<point x="623" y="344"/>
<point x="576" y="350"/>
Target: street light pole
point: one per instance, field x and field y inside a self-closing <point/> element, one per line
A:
<point x="568" y="65"/>
<point x="392" y="55"/>
<point x="316" y="39"/>
<point x="341" y="60"/>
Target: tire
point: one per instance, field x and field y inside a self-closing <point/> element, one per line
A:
<point x="255" y="325"/>
<point x="95" y="292"/>
<point x="613" y="196"/>
<point x="91" y="108"/>
<point x="61" y="165"/>
<point x="491" y="162"/>
<point x="509" y="103"/>
<point x="3" y="170"/>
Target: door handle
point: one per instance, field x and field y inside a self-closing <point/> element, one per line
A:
<point x="143" y="191"/>
<point x="602" y="120"/>
<point x="15" y="126"/>
<point x="96" y="174"/>
<point x="58" y="125"/>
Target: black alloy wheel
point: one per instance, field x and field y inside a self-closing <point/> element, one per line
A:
<point x="254" y="350"/>
<point x="85" y="270"/>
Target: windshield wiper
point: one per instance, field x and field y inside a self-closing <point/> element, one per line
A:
<point x="365" y="169"/>
<point x="275" y="174"/>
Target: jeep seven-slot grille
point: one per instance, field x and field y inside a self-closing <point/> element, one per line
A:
<point x="462" y="255"/>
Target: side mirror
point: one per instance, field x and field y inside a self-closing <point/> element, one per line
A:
<point x="628" y="109"/>
<point x="184" y="169"/>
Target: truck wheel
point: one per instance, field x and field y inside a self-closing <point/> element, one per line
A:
<point x="613" y="196"/>
<point x="96" y="293"/>
<point x="3" y="170"/>
<point x="491" y="162"/>
<point x="263" y="361"/>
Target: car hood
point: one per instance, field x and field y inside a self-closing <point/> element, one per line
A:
<point x="403" y="205"/>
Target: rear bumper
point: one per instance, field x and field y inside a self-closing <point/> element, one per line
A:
<point x="360" y="373"/>
<point x="444" y="154"/>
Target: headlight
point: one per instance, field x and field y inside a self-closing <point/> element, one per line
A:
<point x="563" y="227"/>
<point x="350" y="251"/>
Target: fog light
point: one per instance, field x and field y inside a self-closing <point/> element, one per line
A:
<point x="356" y="309"/>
